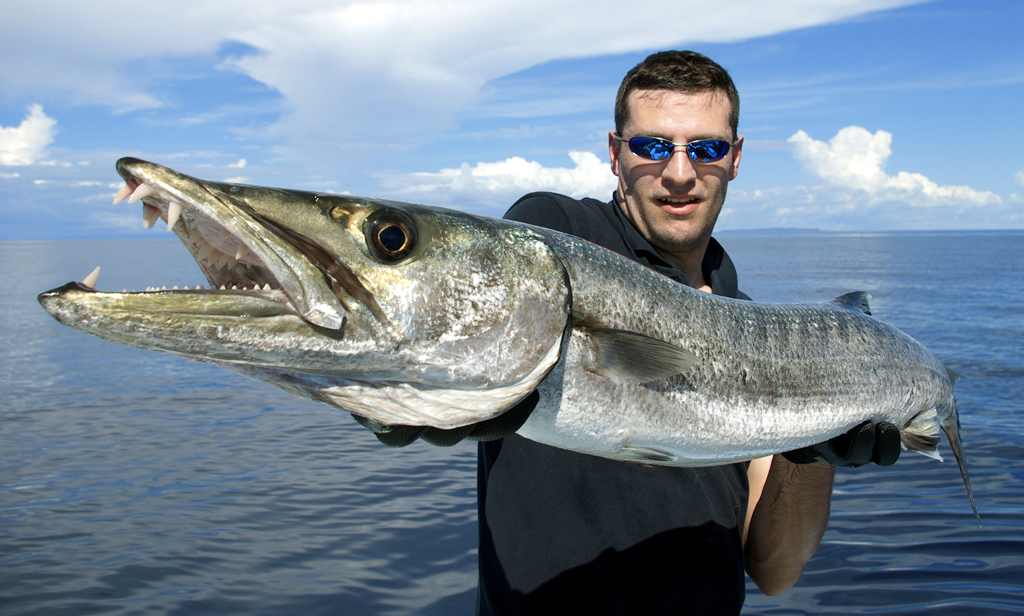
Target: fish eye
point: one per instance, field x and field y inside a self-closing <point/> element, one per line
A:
<point x="390" y="235"/>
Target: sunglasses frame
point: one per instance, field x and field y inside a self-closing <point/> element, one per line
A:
<point x="691" y="148"/>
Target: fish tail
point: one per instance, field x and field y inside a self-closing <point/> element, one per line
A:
<point x="951" y="426"/>
<point x="922" y="434"/>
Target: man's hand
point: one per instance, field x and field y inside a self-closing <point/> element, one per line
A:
<point x="879" y="443"/>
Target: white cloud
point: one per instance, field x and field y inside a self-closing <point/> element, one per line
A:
<point x="855" y="159"/>
<point x="512" y="176"/>
<point x="26" y="143"/>
<point x="807" y="207"/>
<point x="239" y="165"/>
<point x="355" y="69"/>
<point x="1019" y="177"/>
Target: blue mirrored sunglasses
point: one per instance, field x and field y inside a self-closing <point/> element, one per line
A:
<point x="701" y="151"/>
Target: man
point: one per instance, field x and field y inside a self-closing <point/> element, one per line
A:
<point x="567" y="533"/>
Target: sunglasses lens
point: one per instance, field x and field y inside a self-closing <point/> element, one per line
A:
<point x="651" y="148"/>
<point x="707" y="151"/>
<point x="704" y="151"/>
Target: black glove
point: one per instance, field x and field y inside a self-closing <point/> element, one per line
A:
<point x="492" y="429"/>
<point x="879" y="443"/>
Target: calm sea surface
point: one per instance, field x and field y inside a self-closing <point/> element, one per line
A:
<point x="138" y="483"/>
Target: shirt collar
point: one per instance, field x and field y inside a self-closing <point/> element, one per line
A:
<point x="717" y="267"/>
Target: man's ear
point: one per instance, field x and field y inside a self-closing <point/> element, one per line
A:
<point x="614" y="147"/>
<point x="734" y="168"/>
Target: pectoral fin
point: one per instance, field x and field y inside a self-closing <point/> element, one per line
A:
<point x="636" y="357"/>
<point x="636" y="453"/>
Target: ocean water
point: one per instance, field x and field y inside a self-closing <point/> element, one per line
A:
<point x="138" y="483"/>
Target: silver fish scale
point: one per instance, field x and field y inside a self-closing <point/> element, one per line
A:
<point x="770" y="378"/>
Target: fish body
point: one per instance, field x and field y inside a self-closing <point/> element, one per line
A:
<point x="768" y="377"/>
<point x="410" y="315"/>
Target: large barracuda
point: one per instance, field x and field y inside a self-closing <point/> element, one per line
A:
<point x="407" y="315"/>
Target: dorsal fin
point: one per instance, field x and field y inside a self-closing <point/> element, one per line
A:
<point x="857" y="301"/>
<point x="633" y="356"/>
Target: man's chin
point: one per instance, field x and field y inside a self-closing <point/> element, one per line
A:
<point x="677" y="241"/>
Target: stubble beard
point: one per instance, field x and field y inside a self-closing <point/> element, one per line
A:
<point x="668" y="238"/>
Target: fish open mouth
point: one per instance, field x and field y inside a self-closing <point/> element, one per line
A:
<point x="240" y="251"/>
<point x="224" y="258"/>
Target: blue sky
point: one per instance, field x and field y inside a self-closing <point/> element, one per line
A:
<point x="869" y="115"/>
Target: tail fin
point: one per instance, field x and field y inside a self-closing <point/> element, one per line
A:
<point x="921" y="434"/>
<point x="951" y="426"/>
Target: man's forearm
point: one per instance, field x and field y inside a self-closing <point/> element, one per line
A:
<point x="788" y="523"/>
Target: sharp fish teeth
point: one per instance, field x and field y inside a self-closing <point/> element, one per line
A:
<point x="173" y="212"/>
<point x="150" y="215"/>
<point x="122" y="193"/>
<point x="141" y="192"/>
<point x="241" y="252"/>
<point x="90" y="280"/>
<point x="204" y="252"/>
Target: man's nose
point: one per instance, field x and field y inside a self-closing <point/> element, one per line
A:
<point x="679" y="167"/>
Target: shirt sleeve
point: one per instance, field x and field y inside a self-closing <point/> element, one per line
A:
<point x="542" y="210"/>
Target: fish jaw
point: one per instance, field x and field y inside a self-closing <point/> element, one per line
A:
<point x="230" y="231"/>
<point x="315" y="307"/>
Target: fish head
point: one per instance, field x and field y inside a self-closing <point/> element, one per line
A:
<point x="399" y="313"/>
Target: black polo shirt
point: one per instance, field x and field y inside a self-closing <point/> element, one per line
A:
<point x="568" y="533"/>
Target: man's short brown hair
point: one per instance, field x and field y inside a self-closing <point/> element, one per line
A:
<point x="687" y="72"/>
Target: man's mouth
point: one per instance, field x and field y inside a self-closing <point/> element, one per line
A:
<point x="678" y="205"/>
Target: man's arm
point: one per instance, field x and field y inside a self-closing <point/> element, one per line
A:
<point x="790" y="498"/>
<point x="786" y="525"/>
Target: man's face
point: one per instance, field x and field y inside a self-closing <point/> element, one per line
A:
<point x="675" y="202"/>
